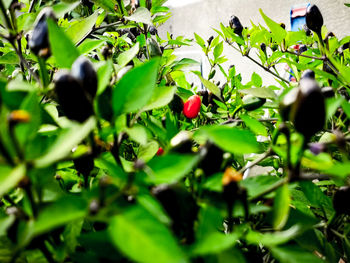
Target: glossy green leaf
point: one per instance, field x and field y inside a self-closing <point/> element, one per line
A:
<point x="199" y="40"/>
<point x="125" y="57"/>
<point x="257" y="80"/>
<point x="62" y="47"/>
<point x="277" y="31"/>
<point x="81" y="29"/>
<point x="210" y="86"/>
<point x="257" y="185"/>
<point x="232" y="139"/>
<point x="143" y="238"/>
<point x="209" y="239"/>
<point x="60" y="213"/>
<point x="294" y="254"/>
<point x="141" y="15"/>
<point x="104" y="74"/>
<point x="148" y="151"/>
<point x="171" y="168"/>
<point x="219" y="48"/>
<point x="317" y="198"/>
<point x="281" y="207"/>
<point x="65" y="143"/>
<point x="185" y="62"/>
<point x="162" y="96"/>
<point x="62" y="8"/>
<point x="9" y="58"/>
<point x="108" y="5"/>
<point x="254" y="125"/>
<point x="10" y="178"/>
<point x="272" y="239"/>
<point x="89" y="45"/>
<point x="262" y="92"/>
<point x="135" y="89"/>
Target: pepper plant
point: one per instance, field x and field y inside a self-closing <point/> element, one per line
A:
<point x="109" y="154"/>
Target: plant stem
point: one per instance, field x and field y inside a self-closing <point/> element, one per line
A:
<point x="272" y="188"/>
<point x="31" y="7"/>
<point x="256" y="161"/>
<point x="43" y="71"/>
<point x="7" y="20"/>
<point x="259" y="64"/>
<point x="240" y="121"/>
<point x="302" y="55"/>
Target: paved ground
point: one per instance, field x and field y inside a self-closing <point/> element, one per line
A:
<point x="201" y="15"/>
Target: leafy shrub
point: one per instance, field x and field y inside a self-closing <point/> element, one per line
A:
<point x="99" y="162"/>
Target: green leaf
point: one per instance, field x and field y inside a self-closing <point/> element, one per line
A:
<point x="62" y="8"/>
<point x="185" y="62"/>
<point x="9" y="58"/>
<point x="25" y="21"/>
<point x="218" y="50"/>
<point x="278" y="33"/>
<point x="257" y="80"/>
<point x="274" y="238"/>
<point x="162" y="96"/>
<point x="281" y="207"/>
<point x="104" y="74"/>
<point x="143" y="238"/>
<point x="233" y="140"/>
<point x="262" y="92"/>
<point x="137" y="133"/>
<point x="254" y="125"/>
<point x="64" y="144"/>
<point x="210" y="85"/>
<point x="317" y="198"/>
<point x="209" y="240"/>
<point x="10" y="178"/>
<point x="199" y="40"/>
<point x="346" y="107"/>
<point x="60" y="213"/>
<point x="294" y="254"/>
<point x="107" y="5"/>
<point x="148" y="151"/>
<point x="89" y="45"/>
<point x="171" y="167"/>
<point x="256" y="185"/>
<point x="135" y="89"/>
<point x="62" y="47"/>
<point x="125" y="57"/>
<point x="141" y="15"/>
<point x="119" y="177"/>
<point x="81" y="29"/>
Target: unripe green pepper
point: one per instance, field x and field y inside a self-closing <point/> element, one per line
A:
<point x="251" y="103"/>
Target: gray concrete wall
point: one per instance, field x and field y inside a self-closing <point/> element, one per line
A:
<point x="200" y="17"/>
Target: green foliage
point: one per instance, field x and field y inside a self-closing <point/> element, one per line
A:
<point x="134" y="179"/>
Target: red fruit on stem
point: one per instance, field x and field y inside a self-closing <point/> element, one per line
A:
<point x="192" y="107"/>
<point x="160" y="151"/>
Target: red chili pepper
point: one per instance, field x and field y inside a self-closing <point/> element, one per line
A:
<point x="160" y="151"/>
<point x="192" y="107"/>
